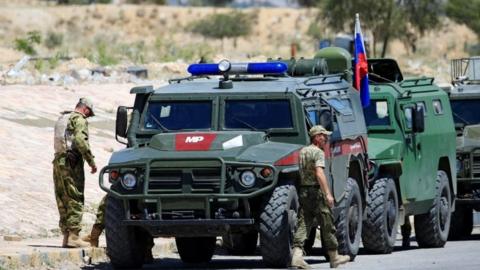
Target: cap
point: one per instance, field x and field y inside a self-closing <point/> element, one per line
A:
<point x="315" y="130"/>
<point x="87" y="102"/>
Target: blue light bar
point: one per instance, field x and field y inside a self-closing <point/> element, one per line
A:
<point x="267" y="68"/>
<point x="239" y="68"/>
<point x="203" y="69"/>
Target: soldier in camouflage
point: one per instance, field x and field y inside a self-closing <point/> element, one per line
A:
<point x="72" y="148"/>
<point x="316" y="201"/>
<point x="98" y="226"/>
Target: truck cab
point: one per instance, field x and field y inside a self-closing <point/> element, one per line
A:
<point x="465" y="101"/>
<point x="411" y="146"/>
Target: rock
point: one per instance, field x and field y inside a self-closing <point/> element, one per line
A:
<point x="69" y="80"/>
<point x="18" y="66"/>
<point x="81" y="74"/>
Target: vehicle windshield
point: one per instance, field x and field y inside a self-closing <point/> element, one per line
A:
<point x="178" y="115"/>
<point x="465" y="112"/>
<point x="258" y="114"/>
<point x="377" y="113"/>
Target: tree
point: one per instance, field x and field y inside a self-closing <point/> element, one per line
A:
<point x="466" y="12"/>
<point x="223" y="25"/>
<point x="386" y="19"/>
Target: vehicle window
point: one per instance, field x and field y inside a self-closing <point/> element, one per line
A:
<point x="437" y="106"/>
<point x="408" y="116"/>
<point x="341" y="105"/>
<point x="312" y="116"/>
<point x="178" y="115"/>
<point x="465" y="112"/>
<point x="377" y="113"/>
<point x="422" y="105"/>
<point x="258" y="114"/>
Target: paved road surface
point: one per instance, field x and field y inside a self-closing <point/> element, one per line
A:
<point x="457" y="255"/>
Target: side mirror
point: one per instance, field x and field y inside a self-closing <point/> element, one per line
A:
<point x="418" y="120"/>
<point x="121" y="122"/>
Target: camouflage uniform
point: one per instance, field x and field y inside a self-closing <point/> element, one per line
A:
<point x="100" y="221"/>
<point x="68" y="173"/>
<point x="314" y="209"/>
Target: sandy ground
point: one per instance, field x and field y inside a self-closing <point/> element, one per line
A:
<point x="27" y="116"/>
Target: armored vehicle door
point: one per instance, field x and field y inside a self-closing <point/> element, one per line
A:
<point x="336" y="116"/>
<point x="323" y="115"/>
<point x="413" y="158"/>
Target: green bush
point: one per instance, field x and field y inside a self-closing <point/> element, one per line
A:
<point x="223" y="25"/>
<point x="27" y="43"/>
<point x="53" y="40"/>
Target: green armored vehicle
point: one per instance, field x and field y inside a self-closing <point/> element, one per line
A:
<point x="411" y="144"/>
<point x="465" y="102"/>
<point x="209" y="157"/>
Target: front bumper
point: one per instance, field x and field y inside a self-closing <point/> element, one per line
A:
<point x="192" y="228"/>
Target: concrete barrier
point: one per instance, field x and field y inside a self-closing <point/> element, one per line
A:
<point x="47" y="253"/>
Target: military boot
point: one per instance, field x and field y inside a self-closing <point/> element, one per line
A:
<point x="92" y="238"/>
<point x="65" y="239"/>
<point x="297" y="259"/>
<point x="336" y="259"/>
<point x="75" y="241"/>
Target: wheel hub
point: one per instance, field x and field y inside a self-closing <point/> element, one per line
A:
<point x="444" y="211"/>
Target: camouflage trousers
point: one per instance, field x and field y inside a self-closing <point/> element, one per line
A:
<point x="100" y="221"/>
<point x="314" y="211"/>
<point x="69" y="183"/>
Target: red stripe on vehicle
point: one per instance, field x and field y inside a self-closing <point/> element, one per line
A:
<point x="194" y="141"/>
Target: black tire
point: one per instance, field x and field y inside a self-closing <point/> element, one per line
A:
<point x="349" y="221"/>
<point x="380" y="227"/>
<point x="278" y="223"/>
<point x="431" y="229"/>
<point x="241" y="244"/>
<point x="195" y="249"/>
<point x="125" y="245"/>
<point x="461" y="225"/>
<point x="310" y="241"/>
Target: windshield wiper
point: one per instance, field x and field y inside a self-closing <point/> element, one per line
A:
<point x="460" y="118"/>
<point x="245" y="124"/>
<point x="267" y="131"/>
<point x="162" y="127"/>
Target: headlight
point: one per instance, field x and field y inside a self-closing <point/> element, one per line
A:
<point x="247" y="179"/>
<point x="459" y="165"/>
<point x="129" y="181"/>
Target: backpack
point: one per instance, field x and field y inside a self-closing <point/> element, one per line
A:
<point x="62" y="141"/>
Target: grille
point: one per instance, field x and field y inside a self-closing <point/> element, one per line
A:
<point x="190" y="180"/>
<point x="476" y="165"/>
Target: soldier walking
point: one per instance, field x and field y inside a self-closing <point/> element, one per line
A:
<point x="72" y="148"/>
<point x="316" y="201"/>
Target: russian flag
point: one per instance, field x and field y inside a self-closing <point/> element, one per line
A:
<point x="361" y="66"/>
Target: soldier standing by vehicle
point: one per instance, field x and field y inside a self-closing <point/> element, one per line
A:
<point x="98" y="226"/>
<point x="316" y="201"/>
<point x="71" y="149"/>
